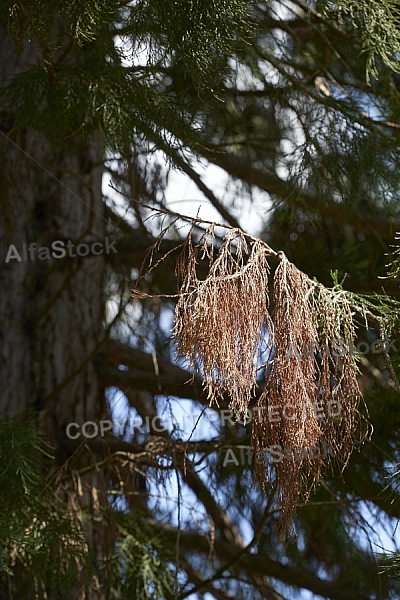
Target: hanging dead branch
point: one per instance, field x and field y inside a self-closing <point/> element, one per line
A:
<point x="308" y="413"/>
<point x="290" y="389"/>
<point x="220" y="322"/>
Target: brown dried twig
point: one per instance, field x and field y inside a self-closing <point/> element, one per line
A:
<point x="307" y="403"/>
<point x="221" y="324"/>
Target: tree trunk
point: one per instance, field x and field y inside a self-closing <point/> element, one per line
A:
<point x="51" y="322"/>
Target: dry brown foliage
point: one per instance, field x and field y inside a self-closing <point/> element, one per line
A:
<point x="219" y="321"/>
<point x="221" y="324"/>
<point x="291" y="383"/>
<point x="322" y="395"/>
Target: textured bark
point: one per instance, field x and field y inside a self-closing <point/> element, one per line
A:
<point x="52" y="309"/>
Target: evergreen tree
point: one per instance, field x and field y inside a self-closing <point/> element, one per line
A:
<point x="298" y="105"/>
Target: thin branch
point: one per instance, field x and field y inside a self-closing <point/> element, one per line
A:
<point x="195" y="220"/>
